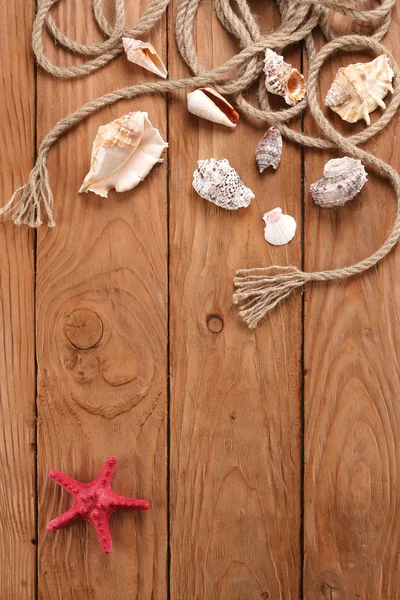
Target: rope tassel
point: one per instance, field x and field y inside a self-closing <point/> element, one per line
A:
<point x="27" y="210"/>
<point x="258" y="291"/>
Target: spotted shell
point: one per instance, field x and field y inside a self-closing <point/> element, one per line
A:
<point x="218" y="182"/>
<point x="360" y="88"/>
<point x="269" y="149"/>
<point x="342" y="181"/>
<point x="283" y="79"/>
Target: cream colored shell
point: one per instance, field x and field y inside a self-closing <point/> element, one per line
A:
<point x="144" y="55"/>
<point x="208" y="104"/>
<point x="218" y="182"/>
<point x="124" y="152"/>
<point x="283" y="79"/>
<point x="360" y="88"/>
<point x="279" y="228"/>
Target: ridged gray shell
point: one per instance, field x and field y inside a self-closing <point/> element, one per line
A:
<point x="343" y="179"/>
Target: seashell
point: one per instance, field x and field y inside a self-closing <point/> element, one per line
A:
<point x="279" y="228"/>
<point x="282" y="79"/>
<point x="343" y="179"/>
<point x="269" y="149"/>
<point x="208" y="104"/>
<point x="143" y="54"/>
<point x="124" y="152"/>
<point x="218" y="182"/>
<point x="358" y="89"/>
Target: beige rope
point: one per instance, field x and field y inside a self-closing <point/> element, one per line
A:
<point x="257" y="290"/>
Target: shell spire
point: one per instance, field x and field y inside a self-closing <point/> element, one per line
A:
<point x="218" y="182"/>
<point x="343" y="179"/>
<point x="124" y="152"/>
<point x="210" y="105"/>
<point x="360" y="88"/>
<point x="269" y="149"/>
<point x="282" y="79"/>
<point x="144" y="55"/>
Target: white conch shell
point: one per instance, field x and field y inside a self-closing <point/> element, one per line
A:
<point x="343" y="179"/>
<point x="269" y="149"/>
<point x="124" y="152"/>
<point x="358" y="89"/>
<point x="283" y="79"/>
<point x="208" y="104"/>
<point x="144" y="55"/>
<point x="218" y="182"/>
<point x="279" y="228"/>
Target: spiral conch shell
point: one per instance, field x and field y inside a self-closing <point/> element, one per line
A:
<point x="279" y="228"/>
<point x="283" y="79"/>
<point x="343" y="179"/>
<point x="269" y="149"/>
<point x="124" y="152"/>
<point x="360" y="88"/>
<point x="208" y="104"/>
<point x="218" y="182"/>
<point x="144" y="55"/>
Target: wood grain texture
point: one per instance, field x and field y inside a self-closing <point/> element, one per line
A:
<point x="352" y="415"/>
<point x="235" y="463"/>
<point x="102" y="338"/>
<point x="17" y="353"/>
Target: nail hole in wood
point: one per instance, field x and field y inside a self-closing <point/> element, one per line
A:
<point x="83" y="328"/>
<point x="215" y="323"/>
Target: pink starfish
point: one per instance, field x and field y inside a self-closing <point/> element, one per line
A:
<point x="94" y="502"/>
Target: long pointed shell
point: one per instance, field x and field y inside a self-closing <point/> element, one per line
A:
<point x="282" y="79"/>
<point x="208" y="104"/>
<point x="343" y="179"/>
<point x="358" y="89"/>
<point x="144" y="55"/>
<point x="269" y="149"/>
<point x="124" y="152"/>
<point x="279" y="228"/>
<point x="218" y="182"/>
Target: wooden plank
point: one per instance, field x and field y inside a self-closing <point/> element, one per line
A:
<point x="102" y="321"/>
<point x="352" y="387"/>
<point x="235" y="460"/>
<point x="17" y="355"/>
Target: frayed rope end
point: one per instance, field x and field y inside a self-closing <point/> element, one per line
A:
<point x="258" y="291"/>
<point x="26" y="202"/>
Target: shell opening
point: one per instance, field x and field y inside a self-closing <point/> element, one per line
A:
<point x="222" y="104"/>
<point x="296" y="85"/>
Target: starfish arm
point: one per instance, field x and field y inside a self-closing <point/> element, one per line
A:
<point x="69" y="484"/>
<point x="122" y="502"/>
<point x="107" y="472"/>
<point x="63" y="520"/>
<point x="100" y="522"/>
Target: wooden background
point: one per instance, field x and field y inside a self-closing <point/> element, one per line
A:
<point x="270" y="457"/>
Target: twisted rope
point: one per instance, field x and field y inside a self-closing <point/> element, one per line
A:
<point x="257" y="290"/>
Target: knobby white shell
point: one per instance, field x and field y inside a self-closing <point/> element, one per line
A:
<point x="283" y="79"/>
<point x="124" y="152"/>
<point x="343" y="179"/>
<point x="358" y="89"/>
<point x="218" y="182"/>
<point x="144" y="55"/>
<point x="210" y="105"/>
<point x="279" y="228"/>
<point x="269" y="149"/>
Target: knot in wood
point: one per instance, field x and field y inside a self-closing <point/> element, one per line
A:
<point x="83" y="328"/>
<point x="215" y="323"/>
